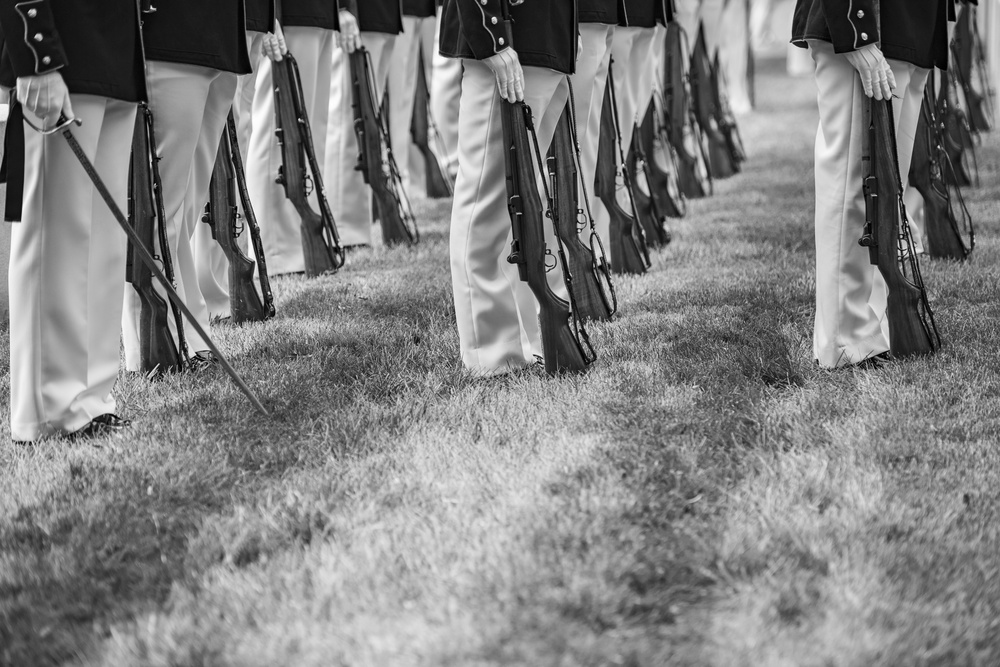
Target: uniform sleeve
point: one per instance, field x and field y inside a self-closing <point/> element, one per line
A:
<point x="482" y="27"/>
<point x="349" y="5"/>
<point x="32" y="39"/>
<point x="853" y="23"/>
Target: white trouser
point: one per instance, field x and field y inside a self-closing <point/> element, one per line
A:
<point x="402" y="87"/>
<point x="190" y="105"/>
<point x="588" y="90"/>
<point x="446" y="90"/>
<point x="67" y="274"/>
<point x="280" y="224"/>
<point x="211" y="262"/>
<point x="496" y="312"/>
<point x="632" y="70"/>
<point x="850" y="292"/>
<point x="350" y="198"/>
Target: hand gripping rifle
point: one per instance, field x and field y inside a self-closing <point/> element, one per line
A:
<point x="320" y="240"/>
<point x="693" y="177"/>
<point x="144" y="256"/>
<point x="158" y="353"/>
<point x="912" y="330"/>
<point x="589" y="276"/>
<point x="703" y="90"/>
<point x="628" y="249"/>
<point x="929" y="169"/>
<point x="224" y="218"/>
<point x="424" y="132"/>
<point x="375" y="158"/>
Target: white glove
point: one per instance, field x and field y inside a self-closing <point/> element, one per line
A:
<point x="46" y="96"/>
<point x="274" y="43"/>
<point x="350" y="33"/>
<point x="510" y="77"/>
<point x="876" y="75"/>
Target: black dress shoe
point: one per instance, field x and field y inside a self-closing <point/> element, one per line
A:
<point x="101" y="425"/>
<point x="874" y="362"/>
<point x="202" y="360"/>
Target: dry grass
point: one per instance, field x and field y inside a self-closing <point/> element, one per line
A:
<point x="704" y="496"/>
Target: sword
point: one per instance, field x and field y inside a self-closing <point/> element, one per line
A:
<point x="65" y="126"/>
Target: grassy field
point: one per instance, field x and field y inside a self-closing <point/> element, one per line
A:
<point x="704" y="496"/>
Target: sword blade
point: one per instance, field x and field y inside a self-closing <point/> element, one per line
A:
<point x="150" y="263"/>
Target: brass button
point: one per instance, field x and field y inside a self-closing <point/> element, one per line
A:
<point x="864" y="37"/>
<point x="861" y="13"/>
<point x="46" y="60"/>
<point x="494" y="20"/>
<point x="32" y="13"/>
<point x="501" y="41"/>
<point x="38" y="36"/>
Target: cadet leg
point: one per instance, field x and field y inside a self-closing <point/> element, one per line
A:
<point x="588" y="90"/>
<point x="402" y="90"/>
<point x="68" y="268"/>
<point x="446" y="91"/>
<point x="350" y="198"/>
<point x="280" y="224"/>
<point x="496" y="312"/>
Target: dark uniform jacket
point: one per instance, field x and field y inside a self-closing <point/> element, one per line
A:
<point x="94" y="44"/>
<point x="598" y="11"/>
<point x="545" y="31"/>
<point x="210" y="33"/>
<point x="420" y="8"/>
<point x="260" y="15"/>
<point x="914" y="31"/>
<point x="310" y="14"/>
<point x="637" y="13"/>
<point x="376" y="15"/>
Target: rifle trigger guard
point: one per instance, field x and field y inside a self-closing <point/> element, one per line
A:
<point x="515" y="252"/>
<point x="548" y="256"/>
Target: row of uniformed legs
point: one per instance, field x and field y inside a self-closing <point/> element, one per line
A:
<point x="495" y="311"/>
<point x="67" y="272"/>
<point x="190" y="105"/>
<point x="280" y="224"/>
<point x="350" y="198"/>
<point x="850" y="293"/>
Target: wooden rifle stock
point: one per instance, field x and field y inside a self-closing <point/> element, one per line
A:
<point x="589" y="293"/>
<point x="561" y="348"/>
<point x="703" y="91"/>
<point x="436" y="180"/>
<point x="375" y="160"/>
<point x="928" y="169"/>
<point x="724" y="115"/>
<point x="628" y="250"/>
<point x="250" y="218"/>
<point x="663" y="163"/>
<point x="223" y="217"/>
<point x="320" y="239"/>
<point x="694" y="178"/>
<point x="158" y="351"/>
<point x="912" y="331"/>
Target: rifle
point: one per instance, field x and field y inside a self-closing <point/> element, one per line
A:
<point x="628" y="246"/>
<point x="663" y="162"/>
<point x="320" y="240"/>
<point x="422" y="131"/>
<point x="912" y="330"/>
<point x="726" y="119"/>
<point x="694" y="178"/>
<point x="967" y="51"/>
<point x="928" y="169"/>
<point x="958" y="141"/>
<point x="158" y="352"/>
<point x="649" y="214"/>
<point x="561" y="328"/>
<point x="588" y="277"/>
<point x="704" y="93"/>
<point x="223" y="217"/>
<point x="375" y="159"/>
